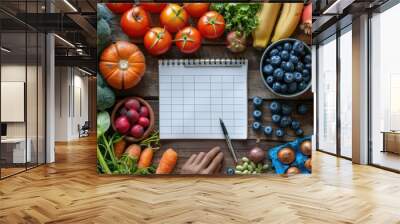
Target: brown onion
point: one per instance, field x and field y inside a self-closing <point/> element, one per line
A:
<point x="286" y="155"/>
<point x="293" y="170"/>
<point x="305" y="147"/>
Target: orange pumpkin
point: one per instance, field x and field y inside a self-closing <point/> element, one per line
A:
<point x="122" y="65"/>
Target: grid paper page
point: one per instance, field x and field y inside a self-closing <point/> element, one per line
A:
<point x="193" y="98"/>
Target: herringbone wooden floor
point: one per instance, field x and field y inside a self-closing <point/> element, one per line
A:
<point x="70" y="191"/>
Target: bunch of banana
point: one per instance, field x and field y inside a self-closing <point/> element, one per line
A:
<point x="288" y="20"/>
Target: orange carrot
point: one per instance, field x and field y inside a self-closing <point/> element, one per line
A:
<point x="119" y="148"/>
<point x="146" y="157"/>
<point x="167" y="162"/>
<point x="133" y="151"/>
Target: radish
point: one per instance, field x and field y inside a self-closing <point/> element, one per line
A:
<point x="132" y="115"/>
<point x="306" y="19"/>
<point x="132" y="104"/>
<point x="122" y="124"/>
<point x="137" y="131"/>
<point x="144" y="122"/>
<point x="144" y="111"/>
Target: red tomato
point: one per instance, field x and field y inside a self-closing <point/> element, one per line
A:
<point x="119" y="8"/>
<point x="153" y="7"/>
<point x="196" y="9"/>
<point x="211" y="25"/>
<point x="135" y="22"/>
<point x="157" y="41"/>
<point x="173" y="18"/>
<point x="188" y="40"/>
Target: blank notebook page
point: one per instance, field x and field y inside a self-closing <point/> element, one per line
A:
<point x="195" y="94"/>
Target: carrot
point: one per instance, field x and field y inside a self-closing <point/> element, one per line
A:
<point x="133" y="151"/>
<point x="146" y="157"/>
<point x="167" y="162"/>
<point x="119" y="148"/>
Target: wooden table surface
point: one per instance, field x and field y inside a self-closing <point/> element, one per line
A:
<point x="148" y="89"/>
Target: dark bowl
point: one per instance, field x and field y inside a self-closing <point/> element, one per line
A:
<point x="262" y="63"/>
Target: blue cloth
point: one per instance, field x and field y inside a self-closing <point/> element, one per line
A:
<point x="281" y="168"/>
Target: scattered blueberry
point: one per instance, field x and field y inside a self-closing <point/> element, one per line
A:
<point x="295" y="124"/>
<point x="276" y="60"/>
<point x="270" y="80"/>
<point x="289" y="77"/>
<point x="230" y="171"/>
<point x="256" y="125"/>
<point x="268" y="130"/>
<point x="273" y="52"/>
<point x="294" y="59"/>
<point x="302" y="86"/>
<point x="257" y="114"/>
<point x="277" y="87"/>
<point x="279" y="132"/>
<point x="299" y="132"/>
<point x="276" y="118"/>
<point x="284" y="88"/>
<point x="302" y="109"/>
<point x="292" y="87"/>
<point x="298" y="77"/>
<point x="278" y="74"/>
<point x="275" y="107"/>
<point x="289" y="67"/>
<point x="257" y="101"/>
<point x="307" y="59"/>
<point x="286" y="109"/>
<point x="286" y="121"/>
<point x="268" y="69"/>
<point x="287" y="46"/>
<point x="285" y="55"/>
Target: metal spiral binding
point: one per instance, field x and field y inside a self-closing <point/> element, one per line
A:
<point x="203" y="62"/>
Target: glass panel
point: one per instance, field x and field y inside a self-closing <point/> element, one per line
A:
<point x="327" y="96"/>
<point x="385" y="84"/>
<point x="41" y="99"/>
<point x="346" y="94"/>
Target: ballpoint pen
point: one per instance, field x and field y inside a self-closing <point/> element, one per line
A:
<point x="228" y="140"/>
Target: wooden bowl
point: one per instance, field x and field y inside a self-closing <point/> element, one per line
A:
<point x="148" y="130"/>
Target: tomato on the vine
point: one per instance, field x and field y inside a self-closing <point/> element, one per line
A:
<point x="157" y="41"/>
<point x="153" y="7"/>
<point x="211" y="25"/>
<point x="188" y="40"/>
<point x="119" y="8"/>
<point x="196" y="9"/>
<point x="173" y="17"/>
<point x="135" y="22"/>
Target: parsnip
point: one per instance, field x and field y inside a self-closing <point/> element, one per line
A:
<point x="267" y="18"/>
<point x="288" y="20"/>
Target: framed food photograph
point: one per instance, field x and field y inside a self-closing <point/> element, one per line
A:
<point x="221" y="89"/>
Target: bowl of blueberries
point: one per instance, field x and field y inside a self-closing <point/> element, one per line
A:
<point x="286" y="67"/>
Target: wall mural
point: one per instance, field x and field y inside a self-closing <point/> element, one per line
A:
<point x="200" y="88"/>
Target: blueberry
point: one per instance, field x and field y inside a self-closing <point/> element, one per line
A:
<point x="295" y="124"/>
<point x="279" y="132"/>
<point x="276" y="118"/>
<point x="289" y="77"/>
<point x="268" y="69"/>
<point x="284" y="88"/>
<point x="299" y="66"/>
<point x="294" y="59"/>
<point x="286" y="109"/>
<point x="275" y="107"/>
<point x="292" y="52"/>
<point x="267" y="61"/>
<point x="299" y="132"/>
<point x="256" y="126"/>
<point x="279" y="47"/>
<point x="289" y="67"/>
<point x="257" y="101"/>
<point x="287" y="46"/>
<point x="307" y="66"/>
<point x="230" y="171"/>
<point x="270" y="80"/>
<point x="306" y="78"/>
<point x="257" y="114"/>
<point x="273" y="52"/>
<point x="302" y="86"/>
<point x="275" y="60"/>
<point x="305" y="72"/>
<point x="286" y="121"/>
<point x="307" y="59"/>
<point x="277" y="87"/>
<point x="298" y="47"/>
<point x="284" y="55"/>
<point x="283" y="63"/>
<point x="292" y="87"/>
<point x="302" y="109"/>
<point x="268" y="130"/>
<point x="298" y="77"/>
<point x="278" y="74"/>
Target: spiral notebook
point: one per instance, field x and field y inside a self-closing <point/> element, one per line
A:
<point x="196" y="93"/>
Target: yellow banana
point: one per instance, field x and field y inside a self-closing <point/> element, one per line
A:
<point x="288" y="21"/>
<point x="267" y="18"/>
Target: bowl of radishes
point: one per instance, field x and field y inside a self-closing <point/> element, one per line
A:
<point x="133" y="117"/>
